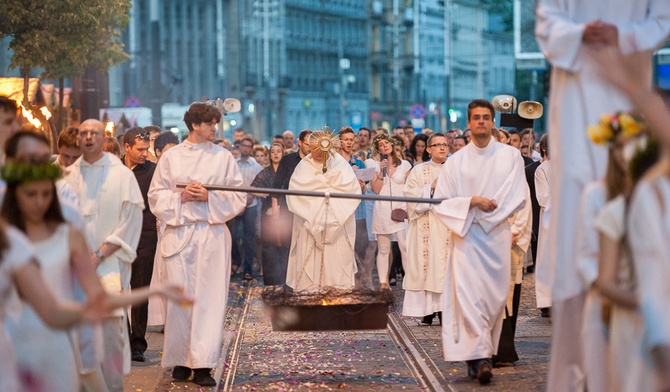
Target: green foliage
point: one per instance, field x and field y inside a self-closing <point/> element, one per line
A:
<point x="65" y="36"/>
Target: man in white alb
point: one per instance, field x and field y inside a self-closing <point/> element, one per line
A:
<point x="428" y="239"/>
<point x="196" y="242"/>
<point x="484" y="184"/>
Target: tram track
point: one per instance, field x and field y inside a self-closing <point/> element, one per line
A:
<point x="424" y="370"/>
<point x="225" y="371"/>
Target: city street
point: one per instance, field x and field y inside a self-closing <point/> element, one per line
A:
<point x="405" y="356"/>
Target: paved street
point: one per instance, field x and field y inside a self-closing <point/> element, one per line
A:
<point x="258" y="359"/>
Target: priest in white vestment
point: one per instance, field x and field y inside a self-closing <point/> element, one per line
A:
<point x="483" y="184"/>
<point x="196" y="243"/>
<point x="428" y="239"/>
<point x="324" y="229"/>
<point x="567" y="32"/>
<point x="111" y="205"/>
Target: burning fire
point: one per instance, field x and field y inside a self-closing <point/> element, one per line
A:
<point x="28" y="115"/>
<point x="109" y="128"/>
<point x="324" y="302"/>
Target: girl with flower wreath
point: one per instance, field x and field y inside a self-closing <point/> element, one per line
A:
<point x="649" y="211"/>
<point x="389" y="179"/>
<point x="613" y="329"/>
<point x="46" y="358"/>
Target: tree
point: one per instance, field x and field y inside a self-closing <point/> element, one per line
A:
<point x="64" y="37"/>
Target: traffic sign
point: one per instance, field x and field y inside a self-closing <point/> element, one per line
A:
<point x="417" y="111"/>
<point x="132" y="102"/>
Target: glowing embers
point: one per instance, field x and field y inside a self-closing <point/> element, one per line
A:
<point x="327" y="310"/>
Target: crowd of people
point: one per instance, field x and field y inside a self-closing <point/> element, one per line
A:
<point x="112" y="220"/>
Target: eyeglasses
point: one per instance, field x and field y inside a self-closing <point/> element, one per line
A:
<point x="246" y="145"/>
<point x="143" y="135"/>
<point x="443" y="145"/>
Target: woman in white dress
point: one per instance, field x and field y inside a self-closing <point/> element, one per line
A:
<point x="389" y="179"/>
<point x="46" y="356"/>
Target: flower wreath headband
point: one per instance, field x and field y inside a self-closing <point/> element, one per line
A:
<point x="383" y="136"/>
<point x="613" y="125"/>
<point x="21" y="172"/>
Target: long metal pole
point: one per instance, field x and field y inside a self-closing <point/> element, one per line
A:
<point x="289" y="192"/>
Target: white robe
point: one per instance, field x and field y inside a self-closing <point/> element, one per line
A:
<point x="594" y="333"/>
<point x="577" y="99"/>
<point x="478" y="274"/>
<point x="521" y="225"/>
<point x="428" y="246"/>
<point x="196" y="248"/>
<point x="111" y="204"/>
<point x="649" y="239"/>
<point x="544" y="268"/>
<point x="324" y="231"/>
<point x="632" y="370"/>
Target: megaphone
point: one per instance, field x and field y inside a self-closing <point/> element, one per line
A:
<point x="504" y="103"/>
<point x="231" y="105"/>
<point x="530" y="110"/>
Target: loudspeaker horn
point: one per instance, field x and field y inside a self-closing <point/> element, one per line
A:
<point x="231" y="105"/>
<point x="530" y="110"/>
<point x="504" y="103"/>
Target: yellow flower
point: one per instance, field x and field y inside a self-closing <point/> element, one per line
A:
<point x="600" y="133"/>
<point x="629" y="125"/>
<point x="605" y="119"/>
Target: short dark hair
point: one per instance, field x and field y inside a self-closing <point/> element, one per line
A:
<point x="514" y="132"/>
<point x="465" y="139"/>
<point x="480" y="103"/>
<point x="304" y="134"/>
<point x="345" y="130"/>
<point x="366" y="130"/>
<point x="200" y="112"/>
<point x="164" y="139"/>
<point x="248" y="138"/>
<point x="544" y="145"/>
<point x="153" y="128"/>
<point x="433" y="136"/>
<point x="12" y="144"/>
<point x="130" y="137"/>
<point x="68" y="137"/>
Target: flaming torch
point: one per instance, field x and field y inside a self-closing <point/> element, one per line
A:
<point x="109" y="128"/>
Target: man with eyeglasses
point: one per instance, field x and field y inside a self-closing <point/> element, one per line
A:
<point x="195" y="243"/>
<point x="136" y="145"/>
<point x="111" y="204"/>
<point x="428" y="239"/>
<point x="482" y="186"/>
<point x="247" y="249"/>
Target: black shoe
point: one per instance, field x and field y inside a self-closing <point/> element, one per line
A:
<point x="248" y="276"/>
<point x="472" y="369"/>
<point x="138" y="356"/>
<point x="392" y="282"/>
<point x="484" y="372"/>
<point x="545" y="312"/>
<point x="181" y="373"/>
<point x="203" y="377"/>
<point x="530" y="269"/>
<point x="428" y="319"/>
<point x="439" y="317"/>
